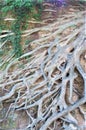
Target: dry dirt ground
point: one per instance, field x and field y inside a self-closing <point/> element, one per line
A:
<point x="18" y="118"/>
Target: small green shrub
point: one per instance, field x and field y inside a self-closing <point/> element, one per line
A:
<point x="21" y="10"/>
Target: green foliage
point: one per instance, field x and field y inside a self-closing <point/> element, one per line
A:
<point x="16" y="39"/>
<point x="19" y="7"/>
<point x="21" y="10"/>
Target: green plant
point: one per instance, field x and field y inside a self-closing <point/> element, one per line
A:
<point x="21" y="10"/>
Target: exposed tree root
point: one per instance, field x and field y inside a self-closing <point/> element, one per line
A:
<point x="40" y="84"/>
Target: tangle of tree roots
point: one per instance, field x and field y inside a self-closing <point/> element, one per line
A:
<point x="47" y="85"/>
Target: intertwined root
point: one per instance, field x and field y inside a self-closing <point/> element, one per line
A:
<point x="47" y="87"/>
